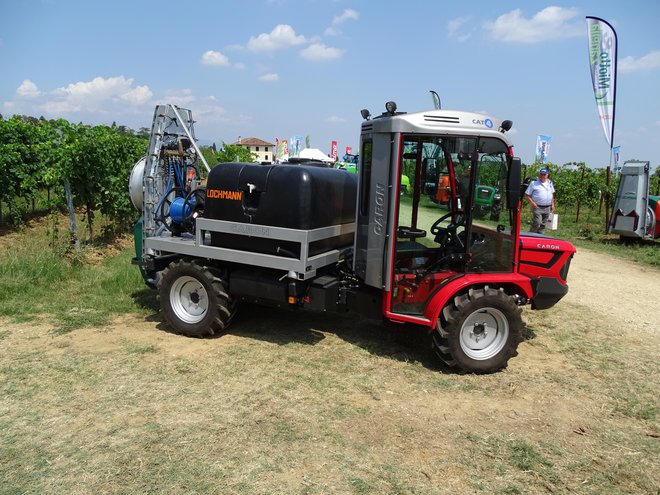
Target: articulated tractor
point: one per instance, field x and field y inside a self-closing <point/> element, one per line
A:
<point x="323" y="239"/>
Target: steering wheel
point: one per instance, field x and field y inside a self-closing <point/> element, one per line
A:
<point x="436" y="229"/>
<point x="448" y="235"/>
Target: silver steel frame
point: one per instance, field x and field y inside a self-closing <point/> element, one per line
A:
<point x="302" y="268"/>
<point x="169" y="123"/>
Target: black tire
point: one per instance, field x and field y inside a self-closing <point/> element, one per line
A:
<point x="495" y="212"/>
<point x="479" y="331"/>
<point x="195" y="302"/>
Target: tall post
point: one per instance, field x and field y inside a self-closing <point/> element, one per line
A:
<point x="72" y="214"/>
<point x="608" y="181"/>
<point x="577" y="213"/>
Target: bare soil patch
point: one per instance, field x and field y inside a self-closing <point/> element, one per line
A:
<point x="626" y="292"/>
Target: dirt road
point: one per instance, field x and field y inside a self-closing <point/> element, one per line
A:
<point x="621" y="290"/>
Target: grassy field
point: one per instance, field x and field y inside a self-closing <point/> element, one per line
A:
<point x="97" y="396"/>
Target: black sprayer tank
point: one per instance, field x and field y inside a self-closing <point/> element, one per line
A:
<point x="299" y="197"/>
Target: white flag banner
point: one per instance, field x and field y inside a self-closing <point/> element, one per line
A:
<point x="543" y="148"/>
<point x="602" y="62"/>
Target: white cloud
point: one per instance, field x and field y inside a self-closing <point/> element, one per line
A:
<point x="103" y="100"/>
<point x="180" y="97"/>
<point x="348" y="14"/>
<point x="548" y="24"/>
<point x="27" y="89"/>
<point x="650" y="61"/>
<point x="318" y="51"/>
<point x="94" y="95"/>
<point x="457" y="31"/>
<point x="270" y="77"/>
<point x="215" y="59"/>
<point x="333" y="119"/>
<point x="205" y="109"/>
<point x="104" y="96"/>
<point x="283" y="36"/>
<point x="208" y="110"/>
<point x="137" y="96"/>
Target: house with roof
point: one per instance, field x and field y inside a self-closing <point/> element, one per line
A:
<point x="262" y="149"/>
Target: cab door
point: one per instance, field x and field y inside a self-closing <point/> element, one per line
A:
<point x="438" y="243"/>
<point x="428" y="251"/>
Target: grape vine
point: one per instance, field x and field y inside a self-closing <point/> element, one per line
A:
<point x="38" y="156"/>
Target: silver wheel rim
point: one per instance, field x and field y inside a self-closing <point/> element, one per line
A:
<point x="189" y="300"/>
<point x="484" y="334"/>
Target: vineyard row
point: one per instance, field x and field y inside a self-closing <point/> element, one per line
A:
<point x="38" y="155"/>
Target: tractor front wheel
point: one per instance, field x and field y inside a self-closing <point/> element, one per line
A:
<point x="194" y="300"/>
<point x="479" y="331"/>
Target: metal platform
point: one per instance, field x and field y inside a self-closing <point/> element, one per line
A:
<point x="301" y="268"/>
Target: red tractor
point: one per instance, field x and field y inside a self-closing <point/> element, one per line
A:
<point x="305" y="236"/>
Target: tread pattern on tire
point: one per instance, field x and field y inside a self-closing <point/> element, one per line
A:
<point x="222" y="306"/>
<point x="445" y="336"/>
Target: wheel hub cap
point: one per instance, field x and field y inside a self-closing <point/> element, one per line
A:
<point x="479" y="332"/>
<point x="189" y="299"/>
<point x="484" y="333"/>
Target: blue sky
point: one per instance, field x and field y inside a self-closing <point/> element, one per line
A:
<point x="277" y="68"/>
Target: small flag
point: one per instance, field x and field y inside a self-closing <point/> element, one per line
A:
<point x="543" y="148"/>
<point x="616" y="151"/>
<point x="333" y="151"/>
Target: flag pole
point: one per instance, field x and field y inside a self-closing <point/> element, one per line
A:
<point x="608" y="182"/>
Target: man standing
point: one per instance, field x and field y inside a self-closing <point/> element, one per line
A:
<point x="541" y="195"/>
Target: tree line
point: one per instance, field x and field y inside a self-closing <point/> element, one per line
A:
<point x="42" y="159"/>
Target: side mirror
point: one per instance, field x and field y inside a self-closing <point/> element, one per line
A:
<point x="513" y="183"/>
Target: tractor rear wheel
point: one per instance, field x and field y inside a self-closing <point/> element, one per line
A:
<point x="479" y="331"/>
<point x="194" y="300"/>
<point x="495" y="212"/>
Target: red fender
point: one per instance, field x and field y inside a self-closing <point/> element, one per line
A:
<point x="514" y="283"/>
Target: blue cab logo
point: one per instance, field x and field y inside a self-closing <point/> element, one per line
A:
<point x="488" y="123"/>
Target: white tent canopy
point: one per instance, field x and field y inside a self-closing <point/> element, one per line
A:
<point x="315" y="154"/>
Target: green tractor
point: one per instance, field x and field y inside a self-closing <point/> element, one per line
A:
<point x="487" y="194"/>
<point x="487" y="199"/>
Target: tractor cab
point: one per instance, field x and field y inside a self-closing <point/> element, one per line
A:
<point x="414" y="244"/>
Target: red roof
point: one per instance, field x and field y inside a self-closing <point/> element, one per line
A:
<point x="252" y="141"/>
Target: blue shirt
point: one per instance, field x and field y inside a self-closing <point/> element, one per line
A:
<point x="541" y="192"/>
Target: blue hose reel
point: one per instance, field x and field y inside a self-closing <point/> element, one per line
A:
<point x="181" y="209"/>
